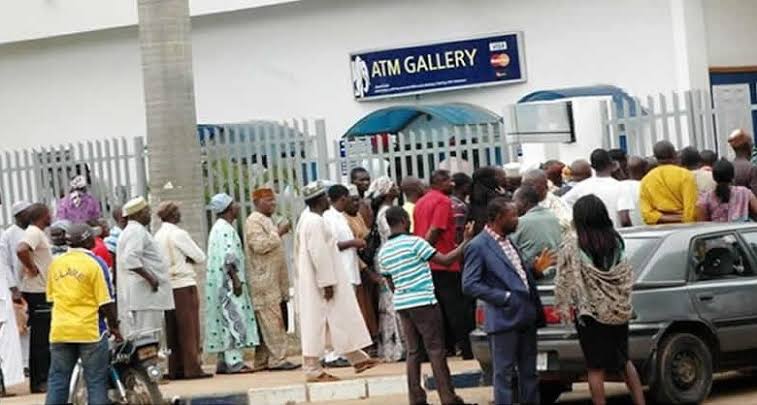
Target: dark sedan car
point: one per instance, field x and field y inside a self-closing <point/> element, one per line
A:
<point x="695" y="313"/>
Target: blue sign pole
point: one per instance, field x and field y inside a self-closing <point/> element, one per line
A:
<point x="483" y="61"/>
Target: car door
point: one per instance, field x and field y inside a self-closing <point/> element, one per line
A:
<point x="723" y="286"/>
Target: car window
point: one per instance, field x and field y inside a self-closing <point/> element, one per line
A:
<point x="718" y="257"/>
<point x="751" y="240"/>
<point x="638" y="250"/>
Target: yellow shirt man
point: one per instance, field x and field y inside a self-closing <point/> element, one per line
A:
<point x="670" y="190"/>
<point x="77" y="287"/>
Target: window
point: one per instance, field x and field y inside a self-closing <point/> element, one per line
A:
<point x="638" y="250"/>
<point x="751" y="240"/>
<point x="718" y="257"/>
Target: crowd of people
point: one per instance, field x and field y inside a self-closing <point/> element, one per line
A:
<point x="374" y="280"/>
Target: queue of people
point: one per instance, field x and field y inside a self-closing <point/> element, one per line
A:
<point x="374" y="280"/>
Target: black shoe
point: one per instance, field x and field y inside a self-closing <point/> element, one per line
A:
<point x="285" y="366"/>
<point x="338" y="363"/>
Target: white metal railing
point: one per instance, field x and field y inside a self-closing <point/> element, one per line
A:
<point x="115" y="170"/>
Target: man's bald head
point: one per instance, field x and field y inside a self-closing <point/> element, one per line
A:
<point x="537" y="179"/>
<point x="665" y="152"/>
<point x="580" y="170"/>
<point x="413" y="188"/>
<point x="637" y="167"/>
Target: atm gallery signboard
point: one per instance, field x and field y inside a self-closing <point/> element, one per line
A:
<point x="473" y="62"/>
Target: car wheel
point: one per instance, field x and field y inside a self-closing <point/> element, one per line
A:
<point x="549" y="392"/>
<point x="684" y="370"/>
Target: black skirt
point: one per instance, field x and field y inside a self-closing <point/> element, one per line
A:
<point x="605" y="347"/>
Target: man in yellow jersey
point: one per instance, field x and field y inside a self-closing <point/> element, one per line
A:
<point x="668" y="194"/>
<point x="78" y="286"/>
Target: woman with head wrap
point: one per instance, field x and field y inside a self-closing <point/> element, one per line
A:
<point x="383" y="192"/>
<point x="78" y="206"/>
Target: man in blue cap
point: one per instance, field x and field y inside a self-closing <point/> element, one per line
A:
<point x="230" y="319"/>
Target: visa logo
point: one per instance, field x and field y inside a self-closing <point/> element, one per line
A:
<point x="497" y="46"/>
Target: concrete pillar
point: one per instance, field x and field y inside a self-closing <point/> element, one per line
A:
<point x="690" y="44"/>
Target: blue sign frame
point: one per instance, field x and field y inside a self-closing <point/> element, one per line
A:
<point x="473" y="62"/>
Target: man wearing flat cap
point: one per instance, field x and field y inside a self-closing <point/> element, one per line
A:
<point x="144" y="289"/>
<point x="269" y="280"/>
<point x="745" y="172"/>
<point x="328" y="310"/>
<point x="183" y="323"/>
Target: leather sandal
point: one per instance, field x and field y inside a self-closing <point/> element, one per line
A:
<point x="324" y="377"/>
<point x="365" y="365"/>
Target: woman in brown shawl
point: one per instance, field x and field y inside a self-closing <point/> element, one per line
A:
<point x="593" y="285"/>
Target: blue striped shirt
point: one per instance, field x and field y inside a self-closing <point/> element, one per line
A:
<point x="405" y="258"/>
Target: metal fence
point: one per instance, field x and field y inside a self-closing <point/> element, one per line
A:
<point x="115" y="169"/>
<point x="686" y="119"/>
<point x="238" y="158"/>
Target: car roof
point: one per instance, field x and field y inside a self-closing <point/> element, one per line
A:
<point x="661" y="231"/>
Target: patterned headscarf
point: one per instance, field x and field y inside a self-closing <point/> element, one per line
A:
<point x="381" y="186"/>
<point x="78" y="186"/>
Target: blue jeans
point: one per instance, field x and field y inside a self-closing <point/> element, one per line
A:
<point x="95" y="359"/>
<point x="511" y="349"/>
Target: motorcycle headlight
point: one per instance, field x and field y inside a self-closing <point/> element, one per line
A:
<point x="154" y="372"/>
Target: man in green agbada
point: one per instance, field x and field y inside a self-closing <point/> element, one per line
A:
<point x="230" y="320"/>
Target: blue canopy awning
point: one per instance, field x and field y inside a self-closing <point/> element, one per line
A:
<point x="395" y="119"/>
<point x="619" y="96"/>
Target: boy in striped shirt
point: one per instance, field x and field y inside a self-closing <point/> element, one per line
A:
<point x="405" y="258"/>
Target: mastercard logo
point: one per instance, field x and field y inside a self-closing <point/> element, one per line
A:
<point x="499" y="60"/>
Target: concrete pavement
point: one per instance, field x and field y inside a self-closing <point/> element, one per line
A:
<point x="731" y="388"/>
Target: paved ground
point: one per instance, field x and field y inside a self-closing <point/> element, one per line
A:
<point x="729" y="389"/>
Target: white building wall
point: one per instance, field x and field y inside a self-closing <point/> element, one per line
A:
<point x="291" y="60"/>
<point x="731" y="32"/>
<point x="23" y="20"/>
<point x="71" y="88"/>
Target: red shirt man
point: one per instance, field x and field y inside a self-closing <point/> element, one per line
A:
<point x="101" y="251"/>
<point x="435" y="219"/>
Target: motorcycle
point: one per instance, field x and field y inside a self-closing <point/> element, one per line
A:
<point x="134" y="372"/>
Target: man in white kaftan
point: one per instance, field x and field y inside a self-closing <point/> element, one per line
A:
<point x="143" y="285"/>
<point x="10" y="346"/>
<point x="11" y="267"/>
<point x="329" y="314"/>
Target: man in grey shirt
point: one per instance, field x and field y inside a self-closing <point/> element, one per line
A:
<point x="144" y="289"/>
<point x="538" y="228"/>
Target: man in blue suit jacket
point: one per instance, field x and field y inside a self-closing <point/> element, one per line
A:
<point x="496" y="274"/>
